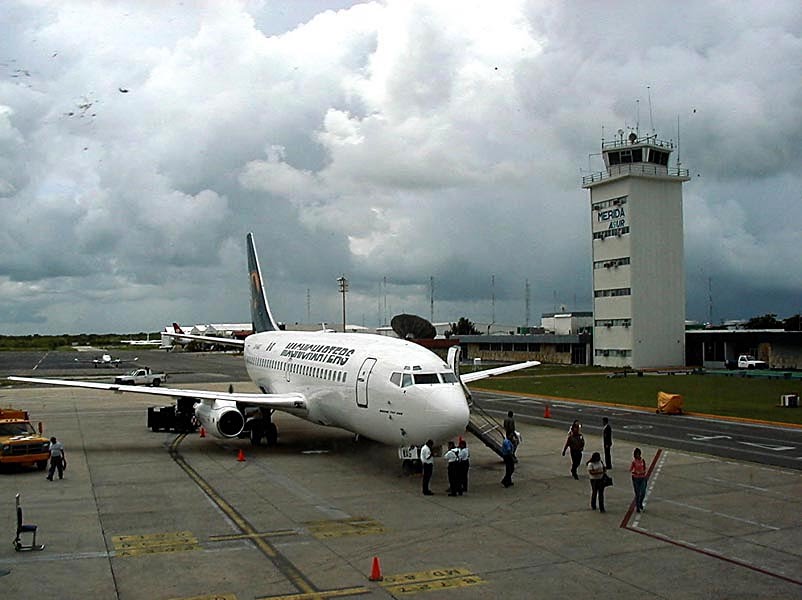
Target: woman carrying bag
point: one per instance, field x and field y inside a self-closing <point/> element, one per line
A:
<point x="596" y="472"/>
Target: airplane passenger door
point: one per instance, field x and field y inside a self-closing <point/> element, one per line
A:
<point x="362" y="382"/>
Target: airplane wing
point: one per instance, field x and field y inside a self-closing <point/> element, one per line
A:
<point x="476" y="376"/>
<point x="209" y="339"/>
<point x="277" y="401"/>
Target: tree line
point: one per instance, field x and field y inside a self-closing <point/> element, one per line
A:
<point x="54" y="342"/>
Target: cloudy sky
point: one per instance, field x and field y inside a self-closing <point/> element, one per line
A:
<point x="397" y="143"/>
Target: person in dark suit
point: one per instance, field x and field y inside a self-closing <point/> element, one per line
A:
<point x="428" y="466"/>
<point x="607" y="435"/>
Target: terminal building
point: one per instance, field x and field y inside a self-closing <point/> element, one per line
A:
<point x="637" y="250"/>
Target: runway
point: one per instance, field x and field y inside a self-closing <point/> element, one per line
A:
<point x="769" y="444"/>
<point x="164" y="516"/>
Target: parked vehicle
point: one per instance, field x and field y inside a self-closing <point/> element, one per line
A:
<point x="20" y="443"/>
<point x="141" y="376"/>
<point x="747" y="361"/>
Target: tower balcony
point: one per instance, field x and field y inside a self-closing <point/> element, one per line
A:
<point x="638" y="170"/>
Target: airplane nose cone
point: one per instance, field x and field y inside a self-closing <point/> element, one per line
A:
<point x="449" y="413"/>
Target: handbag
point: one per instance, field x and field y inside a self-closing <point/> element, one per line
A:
<point x="606" y="480"/>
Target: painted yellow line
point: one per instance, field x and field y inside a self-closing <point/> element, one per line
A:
<point x="210" y="597"/>
<point x="289" y="570"/>
<point x="425" y="576"/>
<point x="435" y="585"/>
<point x="344" y="527"/>
<point x="250" y="536"/>
<point x="430" y="581"/>
<point x="136" y="545"/>
<point x="321" y="595"/>
<point x="156" y="550"/>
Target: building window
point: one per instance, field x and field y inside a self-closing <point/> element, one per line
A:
<point x="620" y="201"/>
<point x="612" y="293"/>
<point x="601" y="235"/>
<point x="613" y="322"/>
<point x="611" y="263"/>
<point x="612" y="352"/>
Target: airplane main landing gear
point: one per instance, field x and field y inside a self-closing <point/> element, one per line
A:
<point x="263" y="428"/>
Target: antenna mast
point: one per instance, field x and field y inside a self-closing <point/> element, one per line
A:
<point x="526" y="303"/>
<point x="493" y="298"/>
<point x="431" y="298"/>
<point x="651" y="120"/>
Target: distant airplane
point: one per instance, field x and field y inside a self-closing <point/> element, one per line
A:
<point x="106" y="360"/>
<point x="168" y="340"/>
<point x="386" y="389"/>
<point x="145" y="342"/>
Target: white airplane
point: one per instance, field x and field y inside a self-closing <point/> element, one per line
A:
<point x="106" y="360"/>
<point x="389" y="390"/>
<point x="145" y="342"/>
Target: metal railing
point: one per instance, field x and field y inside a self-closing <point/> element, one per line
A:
<point x="635" y="169"/>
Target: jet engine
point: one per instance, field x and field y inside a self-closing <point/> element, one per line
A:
<point x="221" y="421"/>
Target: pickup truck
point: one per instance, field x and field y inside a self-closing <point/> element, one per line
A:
<point x="747" y="361"/>
<point x="141" y="376"/>
<point x="20" y="443"/>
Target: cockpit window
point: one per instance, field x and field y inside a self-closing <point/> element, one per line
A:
<point x="448" y="377"/>
<point x="396" y="379"/>
<point x="426" y="378"/>
<point x="407" y="380"/>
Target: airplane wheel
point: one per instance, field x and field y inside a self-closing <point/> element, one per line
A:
<point x="257" y="432"/>
<point x="272" y="434"/>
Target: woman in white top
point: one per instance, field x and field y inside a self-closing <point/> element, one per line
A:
<point x="596" y="472"/>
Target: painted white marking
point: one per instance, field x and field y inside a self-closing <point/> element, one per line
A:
<point x="705" y="438"/>
<point x="637" y="427"/>
<point x="769" y="446"/>
<point x="723" y="515"/>
<point x="743" y="485"/>
<point x="40" y="361"/>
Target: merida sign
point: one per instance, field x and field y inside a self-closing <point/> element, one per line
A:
<point x="615" y="216"/>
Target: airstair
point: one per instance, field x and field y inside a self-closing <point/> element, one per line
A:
<point x="480" y="423"/>
<point x="485" y="427"/>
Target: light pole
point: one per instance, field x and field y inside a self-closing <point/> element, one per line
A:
<point x="343" y="283"/>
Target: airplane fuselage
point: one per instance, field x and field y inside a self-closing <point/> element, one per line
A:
<point x="389" y="390"/>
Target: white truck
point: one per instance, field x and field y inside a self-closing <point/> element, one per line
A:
<point x="747" y="361"/>
<point x="141" y="376"/>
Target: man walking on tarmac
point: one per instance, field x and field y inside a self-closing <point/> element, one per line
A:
<point x="607" y="436"/>
<point x="508" y="454"/>
<point x="57" y="459"/>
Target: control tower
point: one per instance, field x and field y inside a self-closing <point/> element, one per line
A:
<point x="637" y="241"/>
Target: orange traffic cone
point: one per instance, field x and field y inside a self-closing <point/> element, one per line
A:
<point x="202" y="431"/>
<point x="241" y="456"/>
<point x="376" y="570"/>
<point x="547" y="413"/>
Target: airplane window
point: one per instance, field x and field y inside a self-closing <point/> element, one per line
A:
<point x="396" y="379"/>
<point x="344" y="376"/>
<point x="407" y="380"/>
<point x="426" y="378"/>
<point x="448" y="377"/>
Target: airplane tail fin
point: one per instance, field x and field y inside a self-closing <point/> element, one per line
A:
<point x="260" y="309"/>
<point x="177" y="328"/>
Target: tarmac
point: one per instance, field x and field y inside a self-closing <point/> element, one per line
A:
<point x="168" y="516"/>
